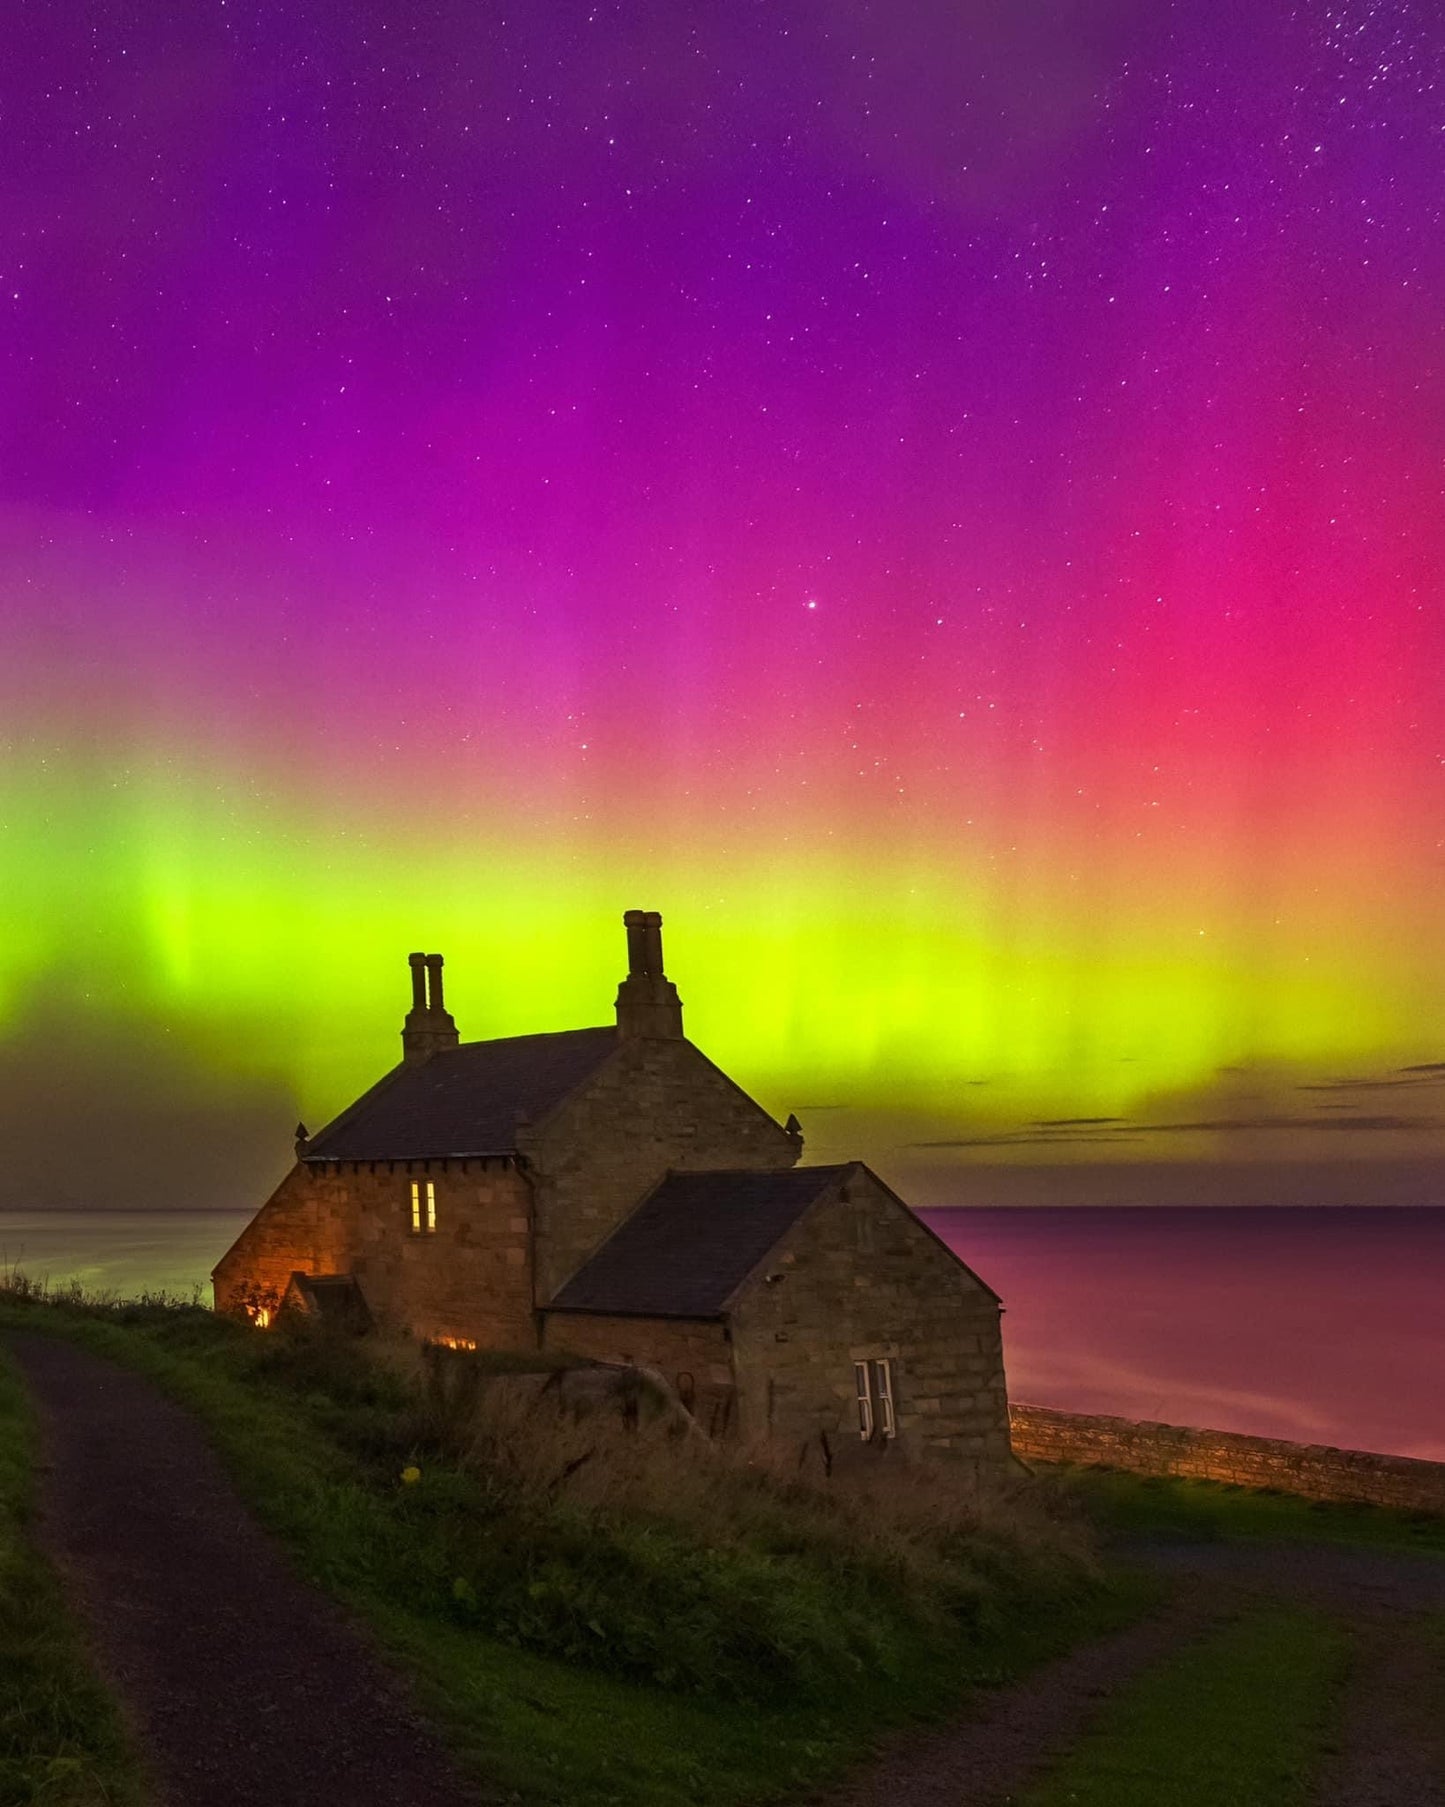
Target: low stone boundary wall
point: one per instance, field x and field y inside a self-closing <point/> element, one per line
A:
<point x="1349" y="1476"/>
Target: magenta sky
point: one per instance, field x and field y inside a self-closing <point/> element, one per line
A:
<point x="943" y="500"/>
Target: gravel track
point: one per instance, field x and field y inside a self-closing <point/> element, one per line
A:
<point x="1389" y="1741"/>
<point x="1389" y="1746"/>
<point x="1010" y="1736"/>
<point x="245" y="1685"/>
<point x="1392" y="1734"/>
<point x="1352" y="1579"/>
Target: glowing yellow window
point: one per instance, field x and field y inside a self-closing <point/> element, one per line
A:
<point x="423" y="1207"/>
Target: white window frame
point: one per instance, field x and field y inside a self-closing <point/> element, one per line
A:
<point x="865" y="1400"/>
<point x="423" y="1207"/>
<point x="883" y="1392"/>
<point x="873" y="1384"/>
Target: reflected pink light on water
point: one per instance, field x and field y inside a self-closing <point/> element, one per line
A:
<point x="1315" y="1325"/>
<point x="1321" y="1326"/>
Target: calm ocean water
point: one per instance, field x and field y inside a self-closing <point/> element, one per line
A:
<point x="1321" y="1325"/>
<point x="120" y="1251"/>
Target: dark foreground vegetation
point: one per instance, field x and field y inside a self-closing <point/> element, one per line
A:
<point x="594" y="1613"/>
<point x="597" y="1612"/>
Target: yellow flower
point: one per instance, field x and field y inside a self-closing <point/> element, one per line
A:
<point x="411" y="1476"/>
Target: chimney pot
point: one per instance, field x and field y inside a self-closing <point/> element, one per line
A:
<point x="635" y="922"/>
<point x="435" y="1001"/>
<point x="653" y="934"/>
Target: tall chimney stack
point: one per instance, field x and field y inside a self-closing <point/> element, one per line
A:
<point x="434" y="1000"/>
<point x="428" y="1028"/>
<point x="648" y="1007"/>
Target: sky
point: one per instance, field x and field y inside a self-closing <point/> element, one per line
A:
<point x="942" y="501"/>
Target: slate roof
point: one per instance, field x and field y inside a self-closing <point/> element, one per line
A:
<point x="692" y="1242"/>
<point x="466" y="1101"/>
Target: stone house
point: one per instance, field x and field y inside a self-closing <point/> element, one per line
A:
<point x="611" y="1193"/>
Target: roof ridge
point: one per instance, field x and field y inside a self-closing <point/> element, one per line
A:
<point x="465" y="1101"/>
<point x="532" y="1035"/>
<point x="792" y="1172"/>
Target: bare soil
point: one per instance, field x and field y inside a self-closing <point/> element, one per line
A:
<point x="1392" y="1733"/>
<point x="243" y="1683"/>
<point x="1388" y="1749"/>
<point x="1011" y="1736"/>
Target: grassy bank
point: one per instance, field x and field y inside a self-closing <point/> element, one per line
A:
<point x="598" y="1616"/>
<point x="1206" y="1511"/>
<point x="61" y="1740"/>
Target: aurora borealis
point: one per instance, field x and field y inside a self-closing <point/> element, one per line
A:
<point x="943" y="501"/>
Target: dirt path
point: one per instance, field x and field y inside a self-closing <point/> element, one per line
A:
<point x="1389" y="1738"/>
<point x="247" y="1685"/>
<point x="244" y="1683"/>
<point x="1392" y="1740"/>
<point x="1353" y="1579"/>
<point x="1012" y="1735"/>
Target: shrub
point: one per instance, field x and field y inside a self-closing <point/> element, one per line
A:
<point x="719" y="1567"/>
<point x="709" y="1567"/>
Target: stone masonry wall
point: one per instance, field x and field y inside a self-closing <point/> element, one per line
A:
<point x="860" y="1277"/>
<point x="469" y="1278"/>
<point x="657" y="1104"/>
<point x="290" y="1233"/>
<point x="1311" y="1470"/>
<point x="694" y="1354"/>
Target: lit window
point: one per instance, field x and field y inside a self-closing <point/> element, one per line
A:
<point x="423" y="1207"/>
<point x="874" y="1382"/>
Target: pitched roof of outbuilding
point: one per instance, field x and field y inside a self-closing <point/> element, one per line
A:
<point x="693" y="1241"/>
<point x="466" y="1101"/>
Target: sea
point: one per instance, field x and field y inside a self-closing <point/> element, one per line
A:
<point x="1317" y="1325"/>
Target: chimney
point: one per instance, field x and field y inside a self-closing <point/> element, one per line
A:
<point x="428" y="1028"/>
<point x="648" y="1007"/>
<point x="435" y="1002"/>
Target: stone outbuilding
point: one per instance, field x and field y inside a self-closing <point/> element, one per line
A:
<point x="610" y="1193"/>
